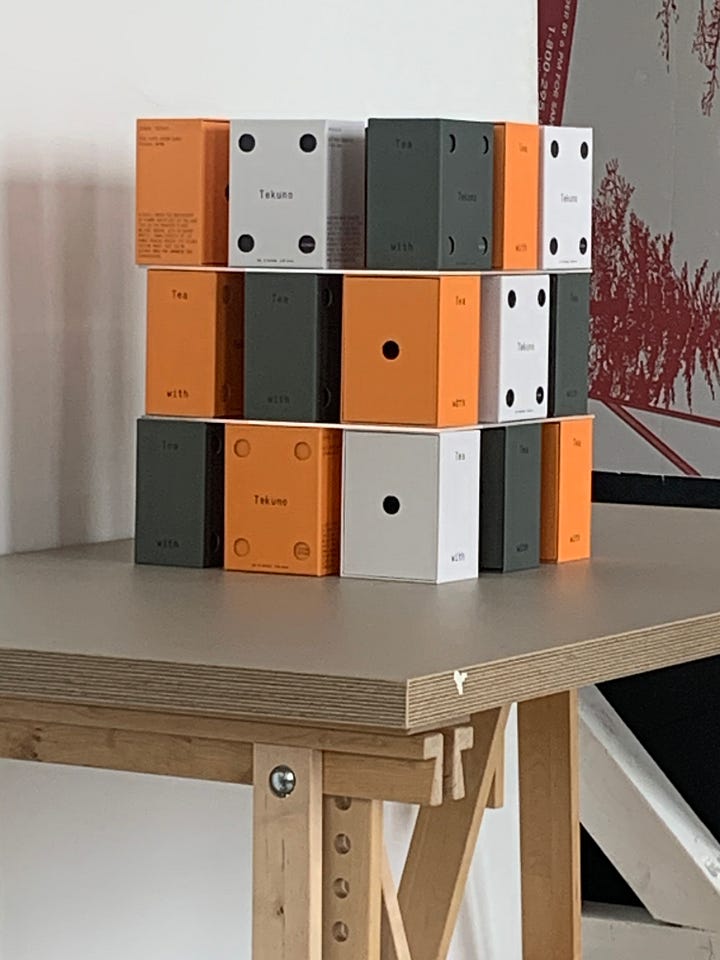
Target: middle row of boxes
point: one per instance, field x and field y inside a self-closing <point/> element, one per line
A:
<point x="448" y="350"/>
<point x="425" y="506"/>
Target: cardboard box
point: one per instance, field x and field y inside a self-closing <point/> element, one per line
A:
<point x="410" y="506"/>
<point x="179" y="505"/>
<point x="566" y="181"/>
<point x="566" y="513"/>
<point x="410" y="350"/>
<point x="297" y="194"/>
<point x="429" y="195"/>
<point x="292" y="346"/>
<point x="514" y="348"/>
<point x="282" y="504"/>
<point x="510" y="473"/>
<point x="517" y="196"/>
<point x="181" y="192"/>
<point x="194" y="343"/>
<point x="569" y="344"/>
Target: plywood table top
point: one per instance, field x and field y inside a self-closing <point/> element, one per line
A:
<point x="85" y="626"/>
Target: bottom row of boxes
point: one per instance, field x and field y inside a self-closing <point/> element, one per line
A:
<point x="431" y="507"/>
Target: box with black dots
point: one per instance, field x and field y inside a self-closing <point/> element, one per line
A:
<point x="429" y="194"/>
<point x="297" y="194"/>
<point x="514" y="346"/>
<point x="411" y="506"/>
<point x="566" y="181"/>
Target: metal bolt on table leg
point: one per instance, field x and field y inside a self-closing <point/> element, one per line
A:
<point x="282" y="781"/>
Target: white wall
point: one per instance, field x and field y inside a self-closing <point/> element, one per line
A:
<point x="94" y="864"/>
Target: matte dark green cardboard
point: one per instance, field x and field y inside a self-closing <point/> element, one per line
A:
<point x="510" y="474"/>
<point x="180" y="493"/>
<point x="429" y="195"/>
<point x="569" y="344"/>
<point x="292" y="347"/>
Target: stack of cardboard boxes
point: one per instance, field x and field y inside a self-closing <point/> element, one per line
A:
<point x="366" y="346"/>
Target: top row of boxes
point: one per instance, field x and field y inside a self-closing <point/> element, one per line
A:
<point x="413" y="194"/>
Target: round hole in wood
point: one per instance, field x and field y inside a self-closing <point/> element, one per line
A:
<point x="343" y="844"/>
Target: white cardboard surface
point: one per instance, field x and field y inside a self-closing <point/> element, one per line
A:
<point x="566" y="183"/>
<point x="433" y="537"/>
<point x="514" y="345"/>
<point x="280" y="193"/>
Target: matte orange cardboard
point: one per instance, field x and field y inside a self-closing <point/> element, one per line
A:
<point x="517" y="190"/>
<point x="282" y="499"/>
<point x="194" y="343"/>
<point x="566" y="510"/>
<point x="411" y="349"/>
<point x="182" y="192"/>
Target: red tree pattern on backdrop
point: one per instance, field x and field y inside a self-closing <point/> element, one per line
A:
<point x="706" y="43"/>
<point x="652" y="325"/>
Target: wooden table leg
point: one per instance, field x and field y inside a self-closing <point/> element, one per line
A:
<point x="287" y="855"/>
<point x="352" y="878"/>
<point x="550" y="827"/>
<point x="443" y="845"/>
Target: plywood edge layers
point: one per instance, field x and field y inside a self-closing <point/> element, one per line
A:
<point x="436" y="699"/>
<point x="233" y="693"/>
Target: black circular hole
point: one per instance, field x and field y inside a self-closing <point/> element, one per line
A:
<point x="391" y="505"/>
<point x="553" y="246"/>
<point x="452" y="143"/>
<point x="308" y="142"/>
<point x="451" y="246"/>
<point x="584" y="150"/>
<point x="247" y="143"/>
<point x="512" y="299"/>
<point x="391" y="350"/>
<point x="246" y="242"/>
<point x="483" y="245"/>
<point x="542" y="297"/>
<point x="583" y="246"/>
<point x="485" y="146"/>
<point x="510" y="398"/>
<point x="327" y="297"/>
<point x="306" y="244"/>
<point x="555" y="148"/>
<point x="540" y="394"/>
<point x="227" y="192"/>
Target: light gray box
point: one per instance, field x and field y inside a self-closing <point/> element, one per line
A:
<point x="566" y="182"/>
<point x="514" y="348"/>
<point x="297" y="194"/>
<point x="411" y="505"/>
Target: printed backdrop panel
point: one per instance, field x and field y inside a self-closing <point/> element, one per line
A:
<point x="646" y="76"/>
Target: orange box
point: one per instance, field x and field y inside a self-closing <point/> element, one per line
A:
<point x="282" y="499"/>
<point x="195" y="323"/>
<point x="411" y="350"/>
<point x="516" y="203"/>
<point x="567" y="461"/>
<point x="182" y="192"/>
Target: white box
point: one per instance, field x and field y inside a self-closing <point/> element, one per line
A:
<point x="514" y="348"/>
<point x="566" y="181"/>
<point x="297" y="194"/>
<point x="411" y="506"/>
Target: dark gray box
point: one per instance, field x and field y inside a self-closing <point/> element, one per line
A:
<point x="429" y="195"/>
<point x="510" y="473"/>
<point x="180" y="510"/>
<point x="293" y="327"/>
<point x="569" y="344"/>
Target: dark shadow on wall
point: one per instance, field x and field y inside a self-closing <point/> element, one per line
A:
<point x="73" y="338"/>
